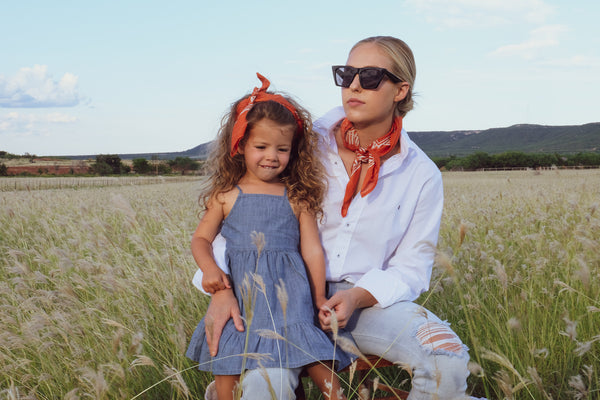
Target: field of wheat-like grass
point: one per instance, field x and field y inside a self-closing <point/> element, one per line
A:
<point x="96" y="299"/>
<point x="518" y="278"/>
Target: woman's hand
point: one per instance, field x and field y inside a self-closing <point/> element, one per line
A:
<point x="223" y="306"/>
<point x="344" y="303"/>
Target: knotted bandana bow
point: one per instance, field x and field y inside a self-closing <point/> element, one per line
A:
<point x="257" y="96"/>
<point x="370" y="155"/>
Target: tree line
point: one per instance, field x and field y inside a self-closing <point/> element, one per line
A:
<point x="111" y="164"/>
<point x="515" y="159"/>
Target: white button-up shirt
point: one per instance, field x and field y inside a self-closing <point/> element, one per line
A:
<point x="386" y="242"/>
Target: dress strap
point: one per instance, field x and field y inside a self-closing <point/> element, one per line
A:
<point x="239" y="188"/>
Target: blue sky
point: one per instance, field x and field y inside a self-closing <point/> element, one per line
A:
<point x="89" y="77"/>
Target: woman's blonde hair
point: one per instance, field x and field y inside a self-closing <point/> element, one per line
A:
<point x="303" y="176"/>
<point x="403" y="65"/>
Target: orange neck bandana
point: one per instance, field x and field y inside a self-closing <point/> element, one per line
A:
<point x="257" y="96"/>
<point x="370" y="155"/>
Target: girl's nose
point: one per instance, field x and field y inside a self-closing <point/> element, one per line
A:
<point x="271" y="155"/>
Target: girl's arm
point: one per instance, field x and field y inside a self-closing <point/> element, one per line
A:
<point x="213" y="278"/>
<point x="313" y="255"/>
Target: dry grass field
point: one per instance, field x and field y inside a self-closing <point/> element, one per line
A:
<point x="96" y="299"/>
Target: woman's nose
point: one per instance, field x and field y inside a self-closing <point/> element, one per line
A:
<point x="355" y="84"/>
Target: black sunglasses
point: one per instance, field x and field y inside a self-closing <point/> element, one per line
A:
<point x="369" y="77"/>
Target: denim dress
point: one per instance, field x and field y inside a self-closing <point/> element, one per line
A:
<point x="279" y="333"/>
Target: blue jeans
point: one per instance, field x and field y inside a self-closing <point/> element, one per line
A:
<point x="405" y="333"/>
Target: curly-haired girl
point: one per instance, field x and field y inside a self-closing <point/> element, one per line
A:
<point x="264" y="195"/>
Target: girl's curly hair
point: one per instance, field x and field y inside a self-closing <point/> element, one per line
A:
<point x="304" y="174"/>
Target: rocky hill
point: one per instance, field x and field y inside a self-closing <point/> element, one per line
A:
<point x="525" y="138"/>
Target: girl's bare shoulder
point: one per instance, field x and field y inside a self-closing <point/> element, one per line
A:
<point x="301" y="207"/>
<point x="225" y="200"/>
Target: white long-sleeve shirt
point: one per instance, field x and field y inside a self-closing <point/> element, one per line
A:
<point x="386" y="242"/>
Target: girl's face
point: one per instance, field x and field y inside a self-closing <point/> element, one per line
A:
<point x="365" y="108"/>
<point x="267" y="150"/>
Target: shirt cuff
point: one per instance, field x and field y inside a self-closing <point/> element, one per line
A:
<point x="385" y="290"/>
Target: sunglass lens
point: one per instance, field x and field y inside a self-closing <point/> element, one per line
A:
<point x="370" y="78"/>
<point x="344" y="76"/>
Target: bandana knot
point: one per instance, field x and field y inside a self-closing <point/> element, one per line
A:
<point x="370" y="155"/>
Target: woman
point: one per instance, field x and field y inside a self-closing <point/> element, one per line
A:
<point x="382" y="217"/>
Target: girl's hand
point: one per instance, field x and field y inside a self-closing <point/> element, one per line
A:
<point x="215" y="280"/>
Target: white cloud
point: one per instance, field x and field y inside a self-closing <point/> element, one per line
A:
<point x="540" y="38"/>
<point x="576" y="61"/>
<point x="26" y="124"/>
<point x="478" y="13"/>
<point x="35" y="88"/>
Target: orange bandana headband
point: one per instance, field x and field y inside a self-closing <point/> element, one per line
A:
<point x="257" y="96"/>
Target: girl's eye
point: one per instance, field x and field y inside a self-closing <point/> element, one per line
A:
<point x="284" y="150"/>
<point x="260" y="147"/>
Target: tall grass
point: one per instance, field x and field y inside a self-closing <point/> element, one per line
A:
<point x="9" y="184"/>
<point x="522" y="287"/>
<point x="96" y="299"/>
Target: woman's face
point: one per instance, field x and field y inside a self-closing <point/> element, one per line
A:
<point x="366" y="108"/>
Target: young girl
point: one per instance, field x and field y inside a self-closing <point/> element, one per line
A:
<point x="265" y="180"/>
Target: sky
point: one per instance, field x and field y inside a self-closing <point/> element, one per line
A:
<point x="117" y="77"/>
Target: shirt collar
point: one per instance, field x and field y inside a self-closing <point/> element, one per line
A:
<point x="327" y="123"/>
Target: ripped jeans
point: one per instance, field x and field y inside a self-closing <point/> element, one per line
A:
<point x="403" y="332"/>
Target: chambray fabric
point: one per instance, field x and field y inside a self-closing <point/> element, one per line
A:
<point x="279" y="263"/>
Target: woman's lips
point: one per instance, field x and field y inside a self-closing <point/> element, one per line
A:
<point x="354" y="102"/>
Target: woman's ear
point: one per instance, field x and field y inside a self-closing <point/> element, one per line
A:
<point x="403" y="88"/>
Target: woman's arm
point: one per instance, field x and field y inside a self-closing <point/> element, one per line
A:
<point x="312" y="253"/>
